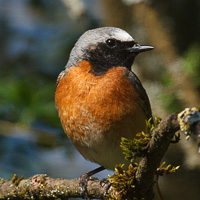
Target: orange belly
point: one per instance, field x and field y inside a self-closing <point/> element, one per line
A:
<point x="96" y="111"/>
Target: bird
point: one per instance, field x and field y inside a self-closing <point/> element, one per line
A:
<point x="99" y="98"/>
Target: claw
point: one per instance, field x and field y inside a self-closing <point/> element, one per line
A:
<point x="105" y="183"/>
<point x="83" y="185"/>
<point x="84" y="180"/>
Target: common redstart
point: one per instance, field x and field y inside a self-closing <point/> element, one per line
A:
<point x="99" y="98"/>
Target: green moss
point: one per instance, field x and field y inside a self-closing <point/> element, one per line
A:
<point x="165" y="170"/>
<point x="123" y="183"/>
<point x="137" y="146"/>
<point x="16" y="180"/>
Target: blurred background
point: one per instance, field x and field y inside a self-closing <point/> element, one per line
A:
<point x="36" y="37"/>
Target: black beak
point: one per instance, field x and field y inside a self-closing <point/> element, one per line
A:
<point x="136" y="48"/>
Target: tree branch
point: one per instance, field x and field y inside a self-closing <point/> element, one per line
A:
<point x="45" y="187"/>
<point x="42" y="186"/>
<point x="159" y="144"/>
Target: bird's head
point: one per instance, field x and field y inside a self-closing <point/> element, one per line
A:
<point x="105" y="48"/>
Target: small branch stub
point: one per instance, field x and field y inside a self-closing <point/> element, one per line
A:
<point x="187" y="119"/>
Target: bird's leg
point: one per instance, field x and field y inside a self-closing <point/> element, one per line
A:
<point x="84" y="179"/>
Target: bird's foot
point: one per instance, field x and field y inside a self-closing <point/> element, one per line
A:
<point x="84" y="180"/>
<point x="106" y="184"/>
<point x="83" y="185"/>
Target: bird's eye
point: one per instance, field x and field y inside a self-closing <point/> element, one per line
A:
<point x="111" y="43"/>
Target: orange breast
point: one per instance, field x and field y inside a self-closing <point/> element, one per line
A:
<point x="93" y="108"/>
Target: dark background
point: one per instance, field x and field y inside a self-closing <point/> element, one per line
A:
<point x="36" y="37"/>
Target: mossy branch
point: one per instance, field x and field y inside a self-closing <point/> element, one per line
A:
<point x="138" y="178"/>
<point x="162" y="136"/>
<point x="158" y="145"/>
<point x="43" y="187"/>
<point x="151" y="146"/>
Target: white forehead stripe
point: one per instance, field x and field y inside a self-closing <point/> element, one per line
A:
<point x="122" y="35"/>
